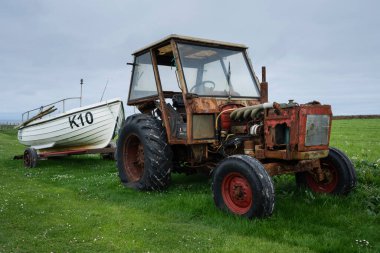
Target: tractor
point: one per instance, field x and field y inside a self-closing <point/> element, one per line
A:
<point x="203" y="109"/>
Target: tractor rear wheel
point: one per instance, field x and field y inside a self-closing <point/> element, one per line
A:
<point x="144" y="158"/>
<point x="242" y="186"/>
<point x="30" y="158"/>
<point x="339" y="175"/>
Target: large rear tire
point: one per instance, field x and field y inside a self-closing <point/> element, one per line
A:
<point x="243" y="187"/>
<point x="144" y="158"/>
<point x="339" y="175"/>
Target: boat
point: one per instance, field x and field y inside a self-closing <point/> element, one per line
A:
<point x="82" y="128"/>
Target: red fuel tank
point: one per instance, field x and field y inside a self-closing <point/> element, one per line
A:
<point x="225" y="120"/>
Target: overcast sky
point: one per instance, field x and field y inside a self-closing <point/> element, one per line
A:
<point x="314" y="50"/>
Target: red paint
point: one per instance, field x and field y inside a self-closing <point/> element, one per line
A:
<point x="66" y="152"/>
<point x="225" y="120"/>
<point x="237" y="193"/>
<point x="327" y="185"/>
<point x="295" y="119"/>
<point x="315" y="110"/>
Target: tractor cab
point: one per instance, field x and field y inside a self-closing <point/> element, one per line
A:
<point x="189" y="81"/>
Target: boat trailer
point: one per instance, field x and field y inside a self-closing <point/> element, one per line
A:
<point x="31" y="156"/>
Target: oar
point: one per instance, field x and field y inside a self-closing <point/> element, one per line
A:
<point x="39" y="115"/>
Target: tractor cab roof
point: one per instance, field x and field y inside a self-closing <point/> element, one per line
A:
<point x="182" y="64"/>
<point x="189" y="40"/>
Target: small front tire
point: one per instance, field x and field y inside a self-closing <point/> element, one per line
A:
<point x="242" y="186"/>
<point x="339" y="175"/>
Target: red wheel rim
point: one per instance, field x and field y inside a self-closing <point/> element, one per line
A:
<point x="133" y="158"/>
<point x="237" y="193"/>
<point x="330" y="181"/>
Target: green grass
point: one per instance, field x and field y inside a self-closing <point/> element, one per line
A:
<point x="77" y="204"/>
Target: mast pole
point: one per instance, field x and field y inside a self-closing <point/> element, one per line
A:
<point x="81" y="85"/>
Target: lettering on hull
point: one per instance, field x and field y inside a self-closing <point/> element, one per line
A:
<point x="80" y="120"/>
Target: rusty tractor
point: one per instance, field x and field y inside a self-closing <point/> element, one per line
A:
<point x="202" y="108"/>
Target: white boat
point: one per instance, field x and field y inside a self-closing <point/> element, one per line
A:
<point x="82" y="128"/>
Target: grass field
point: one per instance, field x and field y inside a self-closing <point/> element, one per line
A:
<point x="77" y="204"/>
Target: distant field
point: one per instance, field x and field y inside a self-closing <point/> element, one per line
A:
<point x="77" y="204"/>
<point x="359" y="138"/>
<point x="373" y="116"/>
<point x="6" y="126"/>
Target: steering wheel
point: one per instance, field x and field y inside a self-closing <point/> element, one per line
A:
<point x="212" y="87"/>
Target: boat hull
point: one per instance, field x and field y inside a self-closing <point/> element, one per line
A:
<point x="89" y="127"/>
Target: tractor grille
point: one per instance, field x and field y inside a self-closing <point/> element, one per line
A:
<point x="317" y="130"/>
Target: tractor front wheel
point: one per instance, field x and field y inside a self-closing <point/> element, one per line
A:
<point x="144" y="158"/>
<point x="242" y="186"/>
<point x="338" y="175"/>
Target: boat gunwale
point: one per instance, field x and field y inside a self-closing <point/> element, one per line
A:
<point x="68" y="113"/>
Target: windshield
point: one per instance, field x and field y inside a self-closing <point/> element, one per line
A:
<point x="211" y="71"/>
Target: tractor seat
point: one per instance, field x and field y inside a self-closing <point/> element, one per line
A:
<point x="178" y="100"/>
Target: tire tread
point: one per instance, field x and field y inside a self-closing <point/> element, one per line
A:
<point x="158" y="159"/>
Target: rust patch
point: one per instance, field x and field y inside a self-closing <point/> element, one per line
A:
<point x="285" y="168"/>
<point x="201" y="105"/>
<point x="285" y="132"/>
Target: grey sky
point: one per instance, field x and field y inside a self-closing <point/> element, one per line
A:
<point x="314" y="50"/>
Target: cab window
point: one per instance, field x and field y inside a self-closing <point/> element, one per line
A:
<point x="167" y="69"/>
<point x="143" y="81"/>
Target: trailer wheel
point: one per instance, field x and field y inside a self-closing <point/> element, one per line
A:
<point x="339" y="175"/>
<point x="144" y="158"/>
<point x="241" y="186"/>
<point x="111" y="155"/>
<point x="30" y="158"/>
